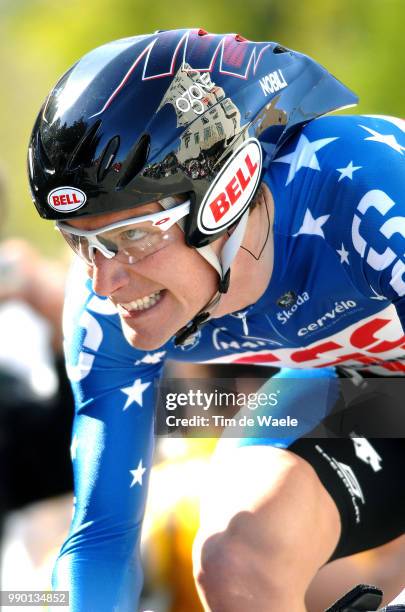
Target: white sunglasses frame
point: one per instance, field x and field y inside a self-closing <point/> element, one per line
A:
<point x="163" y="220"/>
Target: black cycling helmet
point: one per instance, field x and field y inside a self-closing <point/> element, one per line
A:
<point x="175" y="112"/>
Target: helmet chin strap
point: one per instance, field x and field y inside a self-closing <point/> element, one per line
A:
<point x="222" y="265"/>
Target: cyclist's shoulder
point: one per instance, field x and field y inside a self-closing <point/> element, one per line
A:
<point x="357" y="126"/>
<point x="335" y="159"/>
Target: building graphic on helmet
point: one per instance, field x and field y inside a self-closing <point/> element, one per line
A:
<point x="205" y="137"/>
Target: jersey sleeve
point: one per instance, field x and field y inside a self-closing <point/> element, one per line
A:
<point x="112" y="445"/>
<point x="355" y="188"/>
<point x="305" y="397"/>
<point x="378" y="225"/>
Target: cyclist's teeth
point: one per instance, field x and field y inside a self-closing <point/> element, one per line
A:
<point x="143" y="303"/>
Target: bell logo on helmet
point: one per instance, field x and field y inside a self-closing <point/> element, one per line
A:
<point x="232" y="190"/>
<point x="66" y="199"/>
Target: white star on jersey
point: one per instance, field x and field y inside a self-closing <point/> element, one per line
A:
<point x="151" y="358"/>
<point x="388" y="139"/>
<point x="399" y="123"/>
<point x="74" y="446"/>
<point x="135" y="392"/>
<point x="344" y="255"/>
<point x="304" y="155"/>
<point x="137" y="474"/>
<point x="311" y="225"/>
<point x="348" y="171"/>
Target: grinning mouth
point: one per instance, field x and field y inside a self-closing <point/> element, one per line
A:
<point x="143" y="303"/>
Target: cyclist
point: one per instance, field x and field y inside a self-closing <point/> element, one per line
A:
<point x="222" y="218"/>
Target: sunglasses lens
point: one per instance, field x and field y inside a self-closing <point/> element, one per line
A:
<point x="135" y="243"/>
<point x="128" y="244"/>
<point x="80" y="245"/>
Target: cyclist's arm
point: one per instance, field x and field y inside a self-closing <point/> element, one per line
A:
<point x="305" y="396"/>
<point x="112" y="444"/>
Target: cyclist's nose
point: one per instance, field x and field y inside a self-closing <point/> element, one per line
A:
<point x="107" y="275"/>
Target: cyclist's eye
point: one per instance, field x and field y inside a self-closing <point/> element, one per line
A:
<point x="133" y="234"/>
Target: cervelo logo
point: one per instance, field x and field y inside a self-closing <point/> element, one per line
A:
<point x="66" y="199"/>
<point x="287" y="314"/>
<point x="376" y="343"/>
<point x="231" y="192"/>
<point x="338" y="309"/>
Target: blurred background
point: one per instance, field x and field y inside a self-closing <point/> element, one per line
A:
<point x="361" y="43"/>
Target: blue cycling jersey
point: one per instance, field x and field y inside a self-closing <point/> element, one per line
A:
<point x="336" y="297"/>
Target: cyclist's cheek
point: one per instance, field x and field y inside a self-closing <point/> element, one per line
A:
<point x="108" y="275"/>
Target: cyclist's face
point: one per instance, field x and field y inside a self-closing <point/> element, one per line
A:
<point x="158" y="294"/>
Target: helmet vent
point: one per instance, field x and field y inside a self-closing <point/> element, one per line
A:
<point x="279" y="49"/>
<point x="107" y="158"/>
<point x="85" y="149"/>
<point x="136" y="162"/>
<point x="45" y="161"/>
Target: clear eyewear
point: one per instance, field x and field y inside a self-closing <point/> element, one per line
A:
<point x="129" y="240"/>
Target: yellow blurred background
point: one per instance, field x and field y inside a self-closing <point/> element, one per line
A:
<point x="360" y="41"/>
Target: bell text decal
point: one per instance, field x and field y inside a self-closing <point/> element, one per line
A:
<point x="232" y="191"/>
<point x="66" y="199"/>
